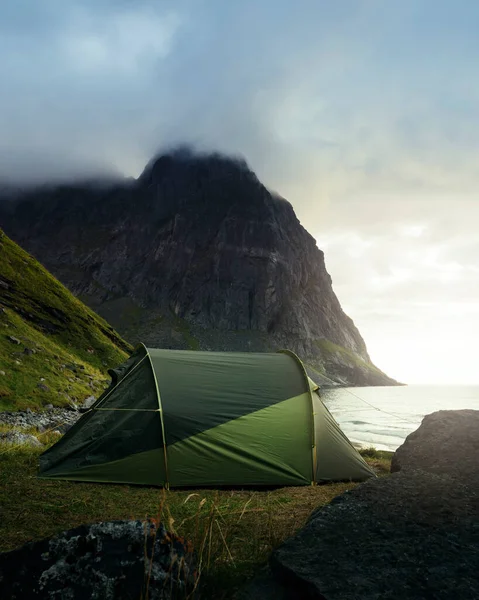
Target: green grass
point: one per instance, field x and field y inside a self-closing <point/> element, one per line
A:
<point x="181" y="326"/>
<point x="45" y="317"/>
<point x="380" y="460"/>
<point x="319" y="369"/>
<point x="328" y="349"/>
<point x="233" y="532"/>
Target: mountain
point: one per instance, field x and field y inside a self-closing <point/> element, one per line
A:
<point x="53" y="349"/>
<point x="195" y="253"/>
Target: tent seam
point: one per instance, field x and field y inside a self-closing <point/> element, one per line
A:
<point x="158" y="397"/>
<point x="299" y="362"/>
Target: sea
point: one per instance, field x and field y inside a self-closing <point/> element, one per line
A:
<point x="384" y="416"/>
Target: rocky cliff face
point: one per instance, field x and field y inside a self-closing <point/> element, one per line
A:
<point x="195" y="253"/>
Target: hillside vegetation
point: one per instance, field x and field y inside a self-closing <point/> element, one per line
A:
<point x="53" y="349"/>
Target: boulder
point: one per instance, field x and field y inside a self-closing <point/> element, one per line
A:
<point x="13" y="339"/>
<point x="409" y="536"/>
<point x="72" y="406"/>
<point x="88" y="403"/>
<point x="43" y="387"/>
<point x="45" y="420"/>
<point x="108" y="560"/>
<point x="64" y="427"/>
<point x="447" y="442"/>
<point x="16" y="438"/>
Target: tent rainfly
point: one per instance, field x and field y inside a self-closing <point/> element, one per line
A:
<point x="179" y="418"/>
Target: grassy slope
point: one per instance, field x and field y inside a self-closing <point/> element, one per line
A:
<point x="45" y="317"/>
<point x="233" y="531"/>
<point x="332" y="353"/>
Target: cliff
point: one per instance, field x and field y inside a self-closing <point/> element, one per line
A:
<point x="194" y="253"/>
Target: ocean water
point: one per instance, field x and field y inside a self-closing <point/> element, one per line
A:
<point x="384" y="416"/>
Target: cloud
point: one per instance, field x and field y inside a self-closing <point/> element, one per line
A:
<point x="120" y="45"/>
<point x="363" y="113"/>
<point x="77" y="80"/>
<point x="322" y="98"/>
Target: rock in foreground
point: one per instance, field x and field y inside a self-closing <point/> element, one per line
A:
<point x="447" y="442"/>
<point x="409" y="536"/>
<point x="100" y="561"/>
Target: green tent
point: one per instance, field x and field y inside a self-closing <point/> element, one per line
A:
<point x="185" y="418"/>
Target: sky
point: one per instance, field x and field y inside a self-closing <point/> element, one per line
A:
<point x="362" y="113"/>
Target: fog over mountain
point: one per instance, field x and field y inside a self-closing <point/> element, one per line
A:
<point x="363" y="114"/>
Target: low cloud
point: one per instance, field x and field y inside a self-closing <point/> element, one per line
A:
<point x="364" y="114"/>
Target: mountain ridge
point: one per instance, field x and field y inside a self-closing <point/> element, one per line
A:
<point x="195" y="253"/>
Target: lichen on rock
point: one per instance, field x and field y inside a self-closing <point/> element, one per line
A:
<point x="102" y="561"/>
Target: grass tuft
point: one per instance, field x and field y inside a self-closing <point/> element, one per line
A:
<point x="380" y="460"/>
<point x="329" y="350"/>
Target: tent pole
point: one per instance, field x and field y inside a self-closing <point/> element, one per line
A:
<point x="160" y="410"/>
<point x="299" y="362"/>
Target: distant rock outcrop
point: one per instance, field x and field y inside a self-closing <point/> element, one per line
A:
<point x="196" y="253"/>
<point x="447" y="442"/>
<point x="109" y="560"/>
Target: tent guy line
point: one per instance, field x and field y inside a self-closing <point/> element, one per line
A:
<point x="372" y="405"/>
